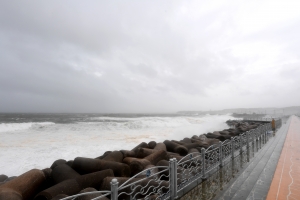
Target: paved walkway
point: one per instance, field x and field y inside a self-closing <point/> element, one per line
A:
<point x="286" y="180"/>
<point x="254" y="180"/>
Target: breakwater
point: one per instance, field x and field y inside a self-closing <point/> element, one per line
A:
<point x="150" y="170"/>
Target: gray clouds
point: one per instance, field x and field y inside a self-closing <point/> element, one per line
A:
<point x="147" y="56"/>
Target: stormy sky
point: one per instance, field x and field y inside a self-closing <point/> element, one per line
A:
<point x="148" y="56"/>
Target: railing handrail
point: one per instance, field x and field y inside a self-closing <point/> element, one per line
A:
<point x="86" y="193"/>
<point x="184" y="161"/>
<point x="122" y="186"/>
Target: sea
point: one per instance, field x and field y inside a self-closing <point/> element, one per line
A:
<point x="30" y="140"/>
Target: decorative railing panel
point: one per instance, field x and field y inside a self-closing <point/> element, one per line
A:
<point x="243" y="139"/>
<point x="212" y="158"/>
<point x="189" y="169"/>
<point x="154" y="185"/>
<point x="236" y="143"/>
<point x="226" y="149"/>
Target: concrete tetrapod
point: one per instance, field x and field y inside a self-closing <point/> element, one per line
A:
<point x="214" y="136"/>
<point x="151" y="144"/>
<point x="133" y="152"/>
<point x="137" y="165"/>
<point x="3" y="177"/>
<point x="141" y="145"/>
<point x="74" y="186"/>
<point x="187" y="145"/>
<point x="105" y="154"/>
<point x="144" y="152"/>
<point x="89" y="165"/>
<point x="175" y="147"/>
<point x="201" y="143"/>
<point x="160" y="146"/>
<point x="63" y="172"/>
<point x="58" y="162"/>
<point x="127" y="153"/>
<point x="115" y="156"/>
<point x="24" y="186"/>
<point x="60" y="196"/>
<point x="186" y="140"/>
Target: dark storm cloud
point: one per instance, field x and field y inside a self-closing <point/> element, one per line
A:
<point x="144" y="56"/>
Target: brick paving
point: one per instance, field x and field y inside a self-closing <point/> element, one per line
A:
<point x="286" y="180"/>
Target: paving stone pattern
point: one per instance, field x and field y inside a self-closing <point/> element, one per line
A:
<point x="286" y="181"/>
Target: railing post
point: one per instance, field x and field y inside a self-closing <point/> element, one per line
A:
<point x="203" y="163"/>
<point x="265" y="133"/>
<point x="265" y="139"/>
<point x="247" y="146"/>
<point x="253" y="141"/>
<point x="241" y="144"/>
<point x="171" y="183"/>
<point x="247" y="139"/>
<point x="232" y="148"/>
<point x="260" y="139"/>
<point x="262" y="136"/>
<point x="114" y="189"/>
<point x="257" y="140"/>
<point x="173" y="178"/>
<point x="220" y="154"/>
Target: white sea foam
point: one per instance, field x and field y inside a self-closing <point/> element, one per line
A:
<point x="36" y="145"/>
<point x="9" y="127"/>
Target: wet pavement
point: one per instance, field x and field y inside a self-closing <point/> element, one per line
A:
<point x="247" y="176"/>
<point x="255" y="179"/>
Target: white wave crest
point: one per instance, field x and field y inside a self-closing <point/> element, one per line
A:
<point x="10" y="127"/>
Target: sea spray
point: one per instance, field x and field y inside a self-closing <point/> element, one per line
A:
<point x="40" y="143"/>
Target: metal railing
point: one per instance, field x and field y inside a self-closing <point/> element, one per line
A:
<point x="102" y="194"/>
<point x="165" y="182"/>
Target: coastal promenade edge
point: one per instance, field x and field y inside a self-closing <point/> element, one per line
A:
<point x="286" y="180"/>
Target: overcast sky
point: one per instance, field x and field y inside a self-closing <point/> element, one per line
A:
<point x="148" y="56"/>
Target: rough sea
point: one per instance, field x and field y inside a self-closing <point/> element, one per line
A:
<point x="30" y="141"/>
